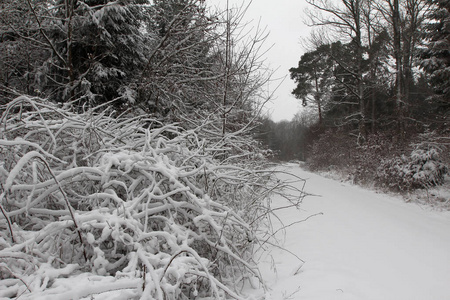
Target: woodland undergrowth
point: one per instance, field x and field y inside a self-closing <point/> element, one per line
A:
<point x="417" y="165"/>
<point x="92" y="205"/>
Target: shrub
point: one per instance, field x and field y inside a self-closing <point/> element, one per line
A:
<point x="121" y="204"/>
<point x="367" y="157"/>
<point x="332" y="148"/>
<point x="421" y="169"/>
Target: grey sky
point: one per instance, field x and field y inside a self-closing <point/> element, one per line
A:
<point x="284" y="21"/>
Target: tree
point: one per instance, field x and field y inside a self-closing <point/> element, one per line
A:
<point x="22" y="49"/>
<point x="88" y="51"/>
<point x="374" y="71"/>
<point x="179" y="70"/>
<point x="346" y="18"/>
<point x="285" y="139"/>
<point x="314" y="78"/>
<point x="404" y="19"/>
<point x="205" y="73"/>
<point x="104" y="44"/>
<point x="240" y="58"/>
<point x="435" y="58"/>
<point x="376" y="77"/>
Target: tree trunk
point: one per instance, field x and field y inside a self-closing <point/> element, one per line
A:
<point x="317" y="97"/>
<point x="360" y="83"/>
<point x="398" y="65"/>
<point x="227" y="70"/>
<point x="70" y="69"/>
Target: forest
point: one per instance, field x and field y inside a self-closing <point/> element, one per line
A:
<point x="136" y="157"/>
<point x="128" y="163"/>
<point x="375" y="86"/>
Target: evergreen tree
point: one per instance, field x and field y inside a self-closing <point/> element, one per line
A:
<point x="98" y="48"/>
<point x="326" y="76"/>
<point x="314" y="78"/>
<point x="436" y="56"/>
<point x="91" y="51"/>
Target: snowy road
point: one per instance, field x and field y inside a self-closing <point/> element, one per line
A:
<point x="364" y="246"/>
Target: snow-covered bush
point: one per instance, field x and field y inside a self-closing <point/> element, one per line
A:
<point x="92" y="205"/>
<point x="421" y="169"/>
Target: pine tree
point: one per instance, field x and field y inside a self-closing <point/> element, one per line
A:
<point x="100" y="45"/>
<point x="436" y="56"/>
<point x="314" y="78"/>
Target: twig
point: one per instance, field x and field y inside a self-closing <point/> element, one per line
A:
<point x="170" y="262"/>
<point x="69" y="207"/>
<point x="16" y="276"/>
<point x="5" y="214"/>
<point x="296" y="222"/>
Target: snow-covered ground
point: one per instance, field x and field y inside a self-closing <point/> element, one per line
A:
<point x="358" y="245"/>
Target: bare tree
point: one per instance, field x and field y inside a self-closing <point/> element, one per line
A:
<point x="403" y="19"/>
<point x="346" y="18"/>
<point x="240" y="53"/>
<point x="22" y="49"/>
<point x="207" y="71"/>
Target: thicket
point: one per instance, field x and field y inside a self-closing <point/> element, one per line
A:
<point x="419" y="163"/>
<point x="128" y="164"/>
<point x="93" y="204"/>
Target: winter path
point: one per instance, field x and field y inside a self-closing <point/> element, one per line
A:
<point x="364" y="246"/>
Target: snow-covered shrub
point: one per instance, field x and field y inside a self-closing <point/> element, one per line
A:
<point x="92" y="205"/>
<point x="421" y="169"/>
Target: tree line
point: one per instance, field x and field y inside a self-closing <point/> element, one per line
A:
<point x="375" y="79"/>
<point x="388" y="68"/>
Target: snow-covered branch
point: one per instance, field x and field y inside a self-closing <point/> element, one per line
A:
<point x="144" y="210"/>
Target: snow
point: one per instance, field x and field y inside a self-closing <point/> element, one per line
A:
<point x="16" y="170"/>
<point x="343" y="243"/>
<point x="364" y="246"/>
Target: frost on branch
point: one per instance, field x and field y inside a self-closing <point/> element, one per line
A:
<point x="91" y="205"/>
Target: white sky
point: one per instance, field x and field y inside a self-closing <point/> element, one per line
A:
<point x="284" y="21"/>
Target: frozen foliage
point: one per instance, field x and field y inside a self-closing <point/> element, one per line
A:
<point x="421" y="169"/>
<point x="92" y="205"/>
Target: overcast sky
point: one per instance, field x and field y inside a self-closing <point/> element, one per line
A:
<point x="284" y="21"/>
